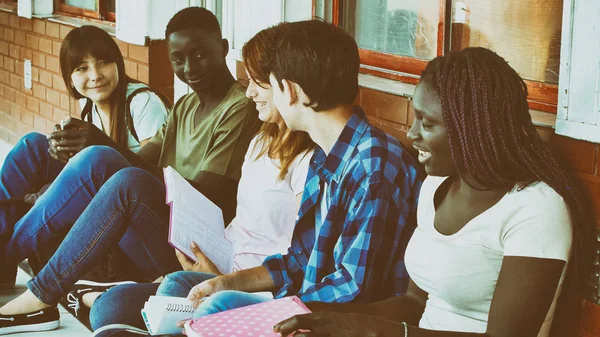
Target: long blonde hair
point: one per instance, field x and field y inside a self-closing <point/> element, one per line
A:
<point x="275" y="140"/>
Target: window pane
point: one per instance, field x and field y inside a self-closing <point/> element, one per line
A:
<point x="87" y="4"/>
<point x="400" y="27"/>
<point x="525" y="32"/>
<point x="111" y="6"/>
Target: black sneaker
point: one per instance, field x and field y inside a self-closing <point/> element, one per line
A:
<point x="75" y="296"/>
<point x="43" y="320"/>
<point x="8" y="280"/>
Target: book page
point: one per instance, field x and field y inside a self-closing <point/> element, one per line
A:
<point x="195" y="218"/>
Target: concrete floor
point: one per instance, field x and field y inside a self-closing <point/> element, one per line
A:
<point x="69" y="326"/>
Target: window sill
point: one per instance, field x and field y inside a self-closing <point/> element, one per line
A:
<point x="10" y="8"/>
<point x="540" y="118"/>
<point x="78" y="22"/>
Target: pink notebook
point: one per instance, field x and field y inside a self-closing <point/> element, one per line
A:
<point x="251" y="321"/>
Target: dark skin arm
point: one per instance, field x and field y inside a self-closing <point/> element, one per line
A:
<point x="524" y="292"/>
<point x="78" y="135"/>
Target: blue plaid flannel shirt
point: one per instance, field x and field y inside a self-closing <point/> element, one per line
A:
<point x="357" y="252"/>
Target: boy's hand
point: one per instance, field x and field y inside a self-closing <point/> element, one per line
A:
<point x="209" y="287"/>
<point x="76" y="136"/>
<point x="204" y="264"/>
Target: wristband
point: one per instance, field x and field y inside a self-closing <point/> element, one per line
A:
<point x="405" y="329"/>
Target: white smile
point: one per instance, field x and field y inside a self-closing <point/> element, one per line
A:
<point x="424" y="155"/>
<point x="260" y="104"/>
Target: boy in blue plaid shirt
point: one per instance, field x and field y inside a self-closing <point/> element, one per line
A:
<point x="359" y="202"/>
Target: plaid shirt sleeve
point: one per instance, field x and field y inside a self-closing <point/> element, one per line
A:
<point x="284" y="269"/>
<point x="357" y="247"/>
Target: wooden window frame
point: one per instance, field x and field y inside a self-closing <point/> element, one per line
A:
<point x="102" y="14"/>
<point x="542" y="96"/>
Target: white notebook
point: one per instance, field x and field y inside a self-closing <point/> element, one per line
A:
<point x="195" y="218"/>
<point x="161" y="314"/>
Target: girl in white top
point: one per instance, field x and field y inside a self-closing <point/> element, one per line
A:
<point x="93" y="69"/>
<point x="502" y="229"/>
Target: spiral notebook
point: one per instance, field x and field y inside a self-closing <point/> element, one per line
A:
<point x="161" y="314"/>
<point x="252" y="321"/>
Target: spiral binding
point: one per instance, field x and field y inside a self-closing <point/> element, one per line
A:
<point x="173" y="307"/>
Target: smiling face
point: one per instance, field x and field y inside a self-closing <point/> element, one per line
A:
<point x="262" y="95"/>
<point x="95" y="79"/>
<point x="428" y="133"/>
<point x="197" y="57"/>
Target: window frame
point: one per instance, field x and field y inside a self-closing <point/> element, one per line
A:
<point x="101" y="14"/>
<point x="542" y="96"/>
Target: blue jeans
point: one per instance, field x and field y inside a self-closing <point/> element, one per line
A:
<point x="221" y="301"/>
<point x="129" y="210"/>
<point x="27" y="168"/>
<point x="122" y="304"/>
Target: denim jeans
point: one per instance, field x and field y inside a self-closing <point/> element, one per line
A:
<point x="122" y="304"/>
<point x="27" y="168"/>
<point x="221" y="301"/>
<point x="129" y="210"/>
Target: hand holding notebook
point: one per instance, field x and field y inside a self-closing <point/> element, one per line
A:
<point x="195" y="218"/>
<point x="251" y="321"/>
<point x="161" y="314"/>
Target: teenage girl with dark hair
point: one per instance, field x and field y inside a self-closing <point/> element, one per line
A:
<point x="501" y="225"/>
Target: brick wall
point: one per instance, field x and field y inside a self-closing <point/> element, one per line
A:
<point x="38" y="109"/>
<point x="393" y="114"/>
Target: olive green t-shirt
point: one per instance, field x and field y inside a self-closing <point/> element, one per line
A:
<point x="217" y="144"/>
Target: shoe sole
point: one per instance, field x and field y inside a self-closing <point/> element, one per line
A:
<point x="101" y="284"/>
<point x="30" y="328"/>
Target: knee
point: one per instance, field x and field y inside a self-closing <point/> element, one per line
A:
<point x="175" y="284"/>
<point x="97" y="154"/>
<point x="34" y="138"/>
<point x="219" y="302"/>
<point x="105" y="307"/>
<point x="136" y="178"/>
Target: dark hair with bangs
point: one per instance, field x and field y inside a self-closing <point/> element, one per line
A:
<point x="193" y="17"/>
<point x="95" y="41"/>
<point x="320" y="57"/>
<point x="276" y="141"/>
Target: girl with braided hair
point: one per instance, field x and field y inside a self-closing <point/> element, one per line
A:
<point x="502" y="228"/>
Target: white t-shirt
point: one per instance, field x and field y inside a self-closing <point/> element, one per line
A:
<point x="147" y="111"/>
<point x="460" y="271"/>
<point x="266" y="208"/>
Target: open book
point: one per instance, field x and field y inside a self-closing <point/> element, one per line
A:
<point x="195" y="218"/>
<point x="161" y="314"/>
<point x="252" y="321"/>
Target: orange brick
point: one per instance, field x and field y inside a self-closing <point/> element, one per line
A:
<point x="52" y="29"/>
<point x="15" y="111"/>
<point x="46" y="78"/>
<point x="64" y="30"/>
<point x="3" y="48"/>
<point x="52" y="64"/>
<point x="39" y="91"/>
<point x="4" y="18"/>
<point x="33" y="104"/>
<point x="14" y="51"/>
<point x="60" y="114"/>
<point x="9" y="64"/>
<point x="131" y="69"/>
<point x="26" y="54"/>
<point x="46" y="110"/>
<point x="19" y="68"/>
<point x="26" y="24"/>
<point x="53" y="97"/>
<point x="138" y="53"/>
<point x="58" y="83"/>
<point x="123" y="46"/>
<point x="45" y="45"/>
<point x="143" y="73"/>
<point x="64" y="101"/>
<point x="20" y="38"/>
<point x="38" y="59"/>
<point x="13" y="21"/>
<point x="27" y="117"/>
<point x="1" y="61"/>
<point x="32" y="41"/>
<point x="56" y="48"/>
<point x="39" y="26"/>
<point x="39" y="123"/>
<point x="20" y="98"/>
<point x="16" y="82"/>
<point x="9" y="34"/>
<point x="35" y="74"/>
<point x="9" y="93"/>
<point x="4" y="76"/>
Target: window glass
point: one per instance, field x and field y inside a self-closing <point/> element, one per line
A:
<point x="525" y="32"/>
<point x="86" y="4"/>
<point x="399" y="27"/>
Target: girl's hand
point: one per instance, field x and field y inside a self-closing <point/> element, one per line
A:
<point x="207" y="288"/>
<point x="334" y="324"/>
<point x="204" y="264"/>
<point x="76" y="136"/>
